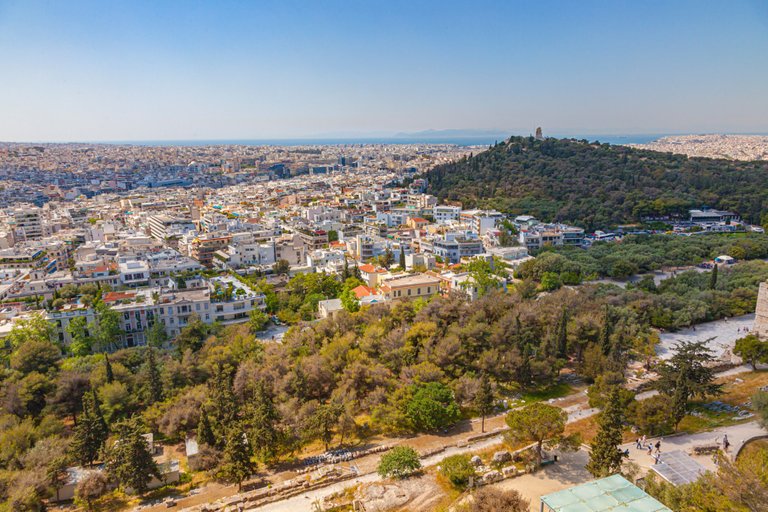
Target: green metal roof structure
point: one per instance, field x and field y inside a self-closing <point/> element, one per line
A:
<point x="611" y="494"/>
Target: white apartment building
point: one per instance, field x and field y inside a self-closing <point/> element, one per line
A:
<point x="28" y="223"/>
<point x="481" y="220"/>
<point x="330" y="260"/>
<point x="134" y="273"/>
<point x="245" y="254"/>
<point x="222" y="299"/>
<point x="445" y="214"/>
<point x="164" y="226"/>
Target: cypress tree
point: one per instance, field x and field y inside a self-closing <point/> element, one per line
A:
<point x="484" y="399"/>
<point x="562" y="335"/>
<point x="130" y="461"/>
<point x="605" y="458"/>
<point x="204" y="432"/>
<point x="90" y="433"/>
<point x="236" y="464"/>
<point x="108" y="369"/>
<point x="222" y="404"/>
<point x="680" y="398"/>
<point x="154" y="383"/>
<point x="345" y="272"/>
<point x="523" y="371"/>
<point x="263" y="423"/>
<point x="713" y="278"/>
<point x="606" y="331"/>
<point x="402" y="257"/>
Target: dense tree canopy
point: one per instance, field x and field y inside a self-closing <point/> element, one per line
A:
<point x="598" y="185"/>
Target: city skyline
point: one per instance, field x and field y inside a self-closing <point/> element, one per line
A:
<point x="179" y="71"/>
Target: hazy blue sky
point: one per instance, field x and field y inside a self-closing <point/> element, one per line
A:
<point x="162" y="69"/>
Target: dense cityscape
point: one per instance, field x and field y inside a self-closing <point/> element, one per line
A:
<point x="334" y="256"/>
<point x="735" y="147"/>
<point x="123" y="248"/>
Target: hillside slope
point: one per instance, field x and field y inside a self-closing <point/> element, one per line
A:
<point x="598" y="185"/>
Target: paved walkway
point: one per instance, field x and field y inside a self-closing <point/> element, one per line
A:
<point x="737" y="435"/>
<point x="567" y="472"/>
<point x="720" y="335"/>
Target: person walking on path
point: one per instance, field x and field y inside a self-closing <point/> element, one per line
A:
<point x="658" y="446"/>
<point x="726" y="443"/>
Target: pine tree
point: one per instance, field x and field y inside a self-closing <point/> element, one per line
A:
<point x="402" y="257"/>
<point x="605" y="457"/>
<point x="90" y="433"/>
<point x="484" y="399"/>
<point x="263" y="423"/>
<point x="321" y="422"/>
<point x="204" y="432"/>
<point x="154" y="383"/>
<point x="130" y="461"/>
<point x="713" y="278"/>
<point x="688" y="372"/>
<point x="108" y="370"/>
<point x="236" y="465"/>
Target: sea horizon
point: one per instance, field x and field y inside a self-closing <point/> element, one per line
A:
<point x="356" y="141"/>
<point x="481" y="140"/>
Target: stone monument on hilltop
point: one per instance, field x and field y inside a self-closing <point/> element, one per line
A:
<point x="539" y="134"/>
<point x="761" y="312"/>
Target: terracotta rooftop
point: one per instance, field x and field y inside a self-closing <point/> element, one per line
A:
<point x="363" y="291"/>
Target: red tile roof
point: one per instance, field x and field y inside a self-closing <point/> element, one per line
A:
<point x="363" y="291"/>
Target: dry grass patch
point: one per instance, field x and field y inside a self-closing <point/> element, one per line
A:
<point x="588" y="428"/>
<point x="736" y="393"/>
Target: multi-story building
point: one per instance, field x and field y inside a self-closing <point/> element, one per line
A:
<point x="224" y="300"/>
<point x="290" y="248"/>
<point x="420" y="259"/>
<point x="421" y="201"/>
<point x="203" y="247"/>
<point x="481" y="220"/>
<point x="326" y="260"/>
<point x="314" y="238"/>
<point x="541" y="235"/>
<point x="28" y="223"/>
<point x="445" y="214"/>
<point x="410" y="287"/>
<point x="365" y="248"/>
<point x="452" y="250"/>
<point x="246" y="253"/>
<point x="162" y="227"/>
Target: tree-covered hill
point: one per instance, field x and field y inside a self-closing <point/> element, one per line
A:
<point x="598" y="185"/>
